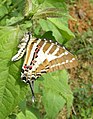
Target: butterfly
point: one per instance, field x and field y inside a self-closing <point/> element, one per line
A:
<point x="42" y="56"/>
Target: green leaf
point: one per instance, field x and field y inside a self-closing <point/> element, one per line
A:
<point x="13" y="20"/>
<point x="9" y="2"/>
<point x="56" y="93"/>
<point x="49" y="26"/>
<point x="22" y="105"/>
<point x="28" y="7"/>
<point x="28" y="115"/>
<point x="59" y="29"/>
<point x="3" y="10"/>
<point x="65" y="31"/>
<point x="35" y="109"/>
<point x="48" y="13"/>
<point x="26" y="25"/>
<point x="54" y="3"/>
<point x="50" y="9"/>
<point x="12" y="90"/>
<point x="40" y="1"/>
<point x="53" y="103"/>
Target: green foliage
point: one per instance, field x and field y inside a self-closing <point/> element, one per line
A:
<point x="54" y="98"/>
<point x="60" y="31"/>
<point x="83" y="101"/>
<point x="83" y="45"/>
<point x="40" y="17"/>
<point x="86" y="45"/>
<point x="12" y="91"/>
<point x="83" y="84"/>
<point x="28" y="115"/>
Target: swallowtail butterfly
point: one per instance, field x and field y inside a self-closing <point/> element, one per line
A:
<point x="42" y="56"/>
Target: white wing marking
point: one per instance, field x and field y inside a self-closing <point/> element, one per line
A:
<point x="39" y="60"/>
<point x="57" y="49"/>
<point x="49" y="48"/>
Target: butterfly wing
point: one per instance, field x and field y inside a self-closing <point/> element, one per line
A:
<point x="23" y="44"/>
<point x="57" y="58"/>
<point x="43" y="56"/>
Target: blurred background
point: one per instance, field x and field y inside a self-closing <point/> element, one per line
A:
<point x="82" y="77"/>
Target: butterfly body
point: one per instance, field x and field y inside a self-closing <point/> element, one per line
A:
<point x="42" y="56"/>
